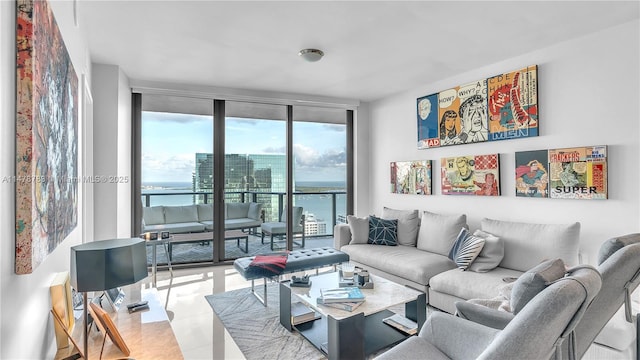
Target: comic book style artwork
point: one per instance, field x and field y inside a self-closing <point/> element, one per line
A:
<point x="471" y="175"/>
<point x="501" y="107"/>
<point x="427" y="114"/>
<point x="513" y="104"/>
<point x="532" y="174"/>
<point x="411" y="177"/>
<point x="578" y="173"/>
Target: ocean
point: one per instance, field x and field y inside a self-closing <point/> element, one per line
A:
<point x="318" y="205"/>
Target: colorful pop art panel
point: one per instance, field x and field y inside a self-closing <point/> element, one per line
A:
<point x="578" y="173"/>
<point x="513" y="104"/>
<point x="46" y="136"/>
<point x="471" y="175"/>
<point x="427" y="114"/>
<point x="532" y="174"/>
<point x="411" y="177"/>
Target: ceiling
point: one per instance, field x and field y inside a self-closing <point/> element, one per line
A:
<point x="372" y="49"/>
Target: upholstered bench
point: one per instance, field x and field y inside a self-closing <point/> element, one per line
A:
<point x="298" y="260"/>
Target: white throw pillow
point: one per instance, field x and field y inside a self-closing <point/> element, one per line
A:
<point x="491" y="254"/>
<point x="408" y="224"/>
<point x="359" y="229"/>
<point x="465" y="249"/>
<point x="439" y="232"/>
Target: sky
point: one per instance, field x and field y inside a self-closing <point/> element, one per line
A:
<point x="170" y="141"/>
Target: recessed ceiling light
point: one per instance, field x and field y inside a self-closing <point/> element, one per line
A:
<point x="311" y="55"/>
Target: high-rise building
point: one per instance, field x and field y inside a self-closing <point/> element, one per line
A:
<point x="253" y="175"/>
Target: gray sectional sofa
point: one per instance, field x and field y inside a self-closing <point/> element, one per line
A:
<point x="198" y="218"/>
<point x="420" y="259"/>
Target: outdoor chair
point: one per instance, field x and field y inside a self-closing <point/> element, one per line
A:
<point x="536" y="332"/>
<point x="279" y="228"/>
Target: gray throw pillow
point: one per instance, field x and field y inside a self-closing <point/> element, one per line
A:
<point x="535" y="280"/>
<point x="491" y="254"/>
<point x="439" y="232"/>
<point x="466" y="249"/>
<point x="408" y="224"/>
<point x="359" y="229"/>
<point x="612" y="245"/>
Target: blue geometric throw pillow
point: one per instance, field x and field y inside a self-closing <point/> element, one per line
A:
<point x="466" y="249"/>
<point x="383" y="232"/>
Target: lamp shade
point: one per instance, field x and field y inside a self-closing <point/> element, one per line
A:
<point x="107" y="264"/>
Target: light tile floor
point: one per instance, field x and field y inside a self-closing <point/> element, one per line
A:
<point x="198" y="330"/>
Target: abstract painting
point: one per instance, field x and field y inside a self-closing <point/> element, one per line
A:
<point x="46" y="136"/>
<point x="471" y="175"/>
<point x="411" y="177"/>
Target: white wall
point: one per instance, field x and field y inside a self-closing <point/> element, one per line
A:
<point x="588" y="95"/>
<point x="26" y="330"/>
<point x="112" y="152"/>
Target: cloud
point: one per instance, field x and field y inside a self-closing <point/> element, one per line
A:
<point x="152" y="116"/>
<point x="176" y="167"/>
<point x="309" y="158"/>
<point x="335" y="127"/>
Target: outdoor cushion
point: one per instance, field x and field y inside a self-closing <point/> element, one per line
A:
<point x="408" y="224"/>
<point x="274" y="227"/>
<point x="205" y="212"/>
<point x="153" y="215"/>
<point x="176" y="228"/>
<point x="491" y="254"/>
<point x="402" y="261"/>
<point x="241" y="223"/>
<point x="438" y="232"/>
<point x="526" y="245"/>
<point x="254" y="211"/>
<point x="237" y="210"/>
<point x="180" y="214"/>
<point x="359" y="229"/>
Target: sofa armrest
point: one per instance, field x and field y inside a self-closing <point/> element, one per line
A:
<point x="341" y="236"/>
<point x="483" y="315"/>
<point x="456" y="337"/>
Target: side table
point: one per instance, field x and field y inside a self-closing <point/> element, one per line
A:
<point x="154" y="259"/>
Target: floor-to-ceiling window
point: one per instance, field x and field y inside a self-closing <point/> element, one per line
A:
<point x="273" y="155"/>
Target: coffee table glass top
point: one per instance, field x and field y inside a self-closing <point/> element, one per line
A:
<point x="385" y="294"/>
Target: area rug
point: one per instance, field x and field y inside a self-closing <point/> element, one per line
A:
<point x="256" y="329"/>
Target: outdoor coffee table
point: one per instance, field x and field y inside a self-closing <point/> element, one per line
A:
<point x="353" y="335"/>
<point x="208" y="236"/>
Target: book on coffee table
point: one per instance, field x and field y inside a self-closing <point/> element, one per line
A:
<point x="345" y="294"/>
<point x="348" y="306"/>
<point x="300" y="313"/>
<point x="401" y="323"/>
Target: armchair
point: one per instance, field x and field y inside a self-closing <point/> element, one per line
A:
<point x="279" y="228"/>
<point x="537" y="331"/>
<point x="619" y="266"/>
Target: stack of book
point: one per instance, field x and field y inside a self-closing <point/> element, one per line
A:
<point x="300" y="313"/>
<point x="344" y="298"/>
<point x="401" y="323"/>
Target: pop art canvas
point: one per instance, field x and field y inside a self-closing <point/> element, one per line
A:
<point x="46" y="136"/>
<point x="578" y="173"/>
<point x="471" y="175"/>
<point x="411" y="177"/>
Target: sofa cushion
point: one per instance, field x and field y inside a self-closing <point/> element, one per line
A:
<point x="276" y="228"/>
<point x="237" y="210"/>
<point x="471" y="285"/>
<point x="438" y="232"/>
<point x="180" y="214"/>
<point x="153" y="215"/>
<point x="383" y="232"/>
<point x="403" y="261"/>
<point x="526" y="245"/>
<point x="205" y="212"/>
<point x="359" y="229"/>
<point x="408" y="224"/>
<point x="255" y="210"/>
<point x="535" y="280"/>
<point x="491" y="254"/>
<point x="465" y="249"/>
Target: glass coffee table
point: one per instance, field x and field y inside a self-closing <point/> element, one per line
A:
<point x="343" y="334"/>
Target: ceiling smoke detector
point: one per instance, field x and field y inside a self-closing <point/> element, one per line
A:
<point x="311" y="55"/>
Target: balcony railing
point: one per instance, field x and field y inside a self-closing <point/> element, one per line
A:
<point x="317" y="203"/>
